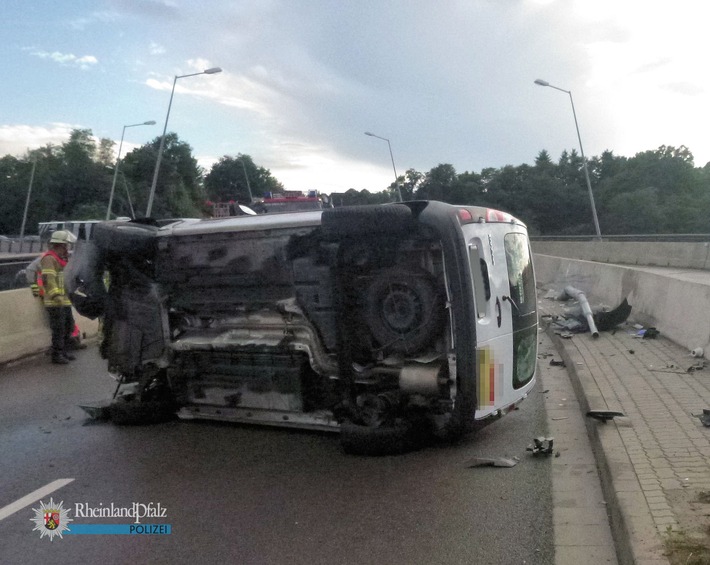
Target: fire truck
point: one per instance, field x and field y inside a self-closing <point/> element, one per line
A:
<point x="290" y="201"/>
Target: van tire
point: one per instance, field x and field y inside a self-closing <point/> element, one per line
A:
<point x="404" y="309"/>
<point x="394" y="439"/>
<point x="125" y="237"/>
<point x="366" y="220"/>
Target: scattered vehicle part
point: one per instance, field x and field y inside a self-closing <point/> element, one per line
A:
<point x="492" y="462"/>
<point x="604" y="415"/>
<point x="391" y="324"/>
<point x="704" y="417"/>
<point x="555" y="363"/>
<point x="608" y="320"/>
<point x="98" y="410"/>
<point x="650" y="333"/>
<point x="586" y="310"/>
<point x="541" y="446"/>
<point x="697" y="352"/>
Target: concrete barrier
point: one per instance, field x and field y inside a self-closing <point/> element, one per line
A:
<point x="676" y="302"/>
<point x="685" y="255"/>
<point x="24" y="327"/>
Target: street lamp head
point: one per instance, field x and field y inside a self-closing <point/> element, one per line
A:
<point x="370" y="134"/>
<point x="212" y="71"/>
<point x="542" y="82"/>
<point x="149" y="123"/>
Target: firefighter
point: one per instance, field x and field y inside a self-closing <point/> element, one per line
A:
<point x="33" y="278"/>
<point x="56" y="300"/>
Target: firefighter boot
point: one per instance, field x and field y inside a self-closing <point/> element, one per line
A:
<point x="59" y="359"/>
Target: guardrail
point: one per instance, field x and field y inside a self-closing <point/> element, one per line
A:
<point x="674" y="237"/>
<point x="17" y="245"/>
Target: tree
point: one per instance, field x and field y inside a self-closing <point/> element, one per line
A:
<point x="438" y="184"/>
<point x="239" y="179"/>
<point x="179" y="191"/>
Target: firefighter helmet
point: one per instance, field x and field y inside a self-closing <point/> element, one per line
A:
<point x="62" y="236"/>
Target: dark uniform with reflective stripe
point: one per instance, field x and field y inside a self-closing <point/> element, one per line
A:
<point x="58" y="305"/>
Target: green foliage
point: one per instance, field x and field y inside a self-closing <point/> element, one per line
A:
<point x="657" y="191"/>
<point x="239" y="179"/>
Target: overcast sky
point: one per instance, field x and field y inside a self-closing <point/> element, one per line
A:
<point x="446" y="81"/>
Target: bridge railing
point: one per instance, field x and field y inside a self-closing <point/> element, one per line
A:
<point x="683" y="251"/>
<point x="25" y="245"/>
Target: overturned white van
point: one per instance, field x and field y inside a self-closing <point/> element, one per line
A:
<point x="386" y="323"/>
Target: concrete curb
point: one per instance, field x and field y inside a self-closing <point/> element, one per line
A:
<point x="635" y="536"/>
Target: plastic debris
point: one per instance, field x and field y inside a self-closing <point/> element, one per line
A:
<point x="97" y="410"/>
<point x="649" y="333"/>
<point x="608" y="320"/>
<point x="604" y="415"/>
<point x="492" y="462"/>
<point x="704" y="417"/>
<point x="697" y="352"/>
<point x="541" y="446"/>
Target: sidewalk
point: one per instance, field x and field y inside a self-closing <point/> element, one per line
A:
<point x="654" y="463"/>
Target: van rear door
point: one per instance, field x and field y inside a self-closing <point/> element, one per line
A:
<point x="506" y="325"/>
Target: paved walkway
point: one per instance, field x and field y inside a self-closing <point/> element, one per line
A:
<point x="654" y="462"/>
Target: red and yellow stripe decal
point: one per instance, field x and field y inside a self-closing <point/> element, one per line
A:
<point x="490" y="378"/>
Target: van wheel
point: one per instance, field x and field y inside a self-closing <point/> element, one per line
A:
<point x="404" y="309"/>
<point x="125" y="237"/>
<point x="393" y="439"/>
<point x="366" y="220"/>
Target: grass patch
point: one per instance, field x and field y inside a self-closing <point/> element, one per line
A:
<point x="681" y="549"/>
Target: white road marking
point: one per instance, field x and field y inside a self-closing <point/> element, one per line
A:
<point x="33" y="497"/>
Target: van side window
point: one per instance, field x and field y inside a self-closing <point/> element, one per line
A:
<point x="479" y="276"/>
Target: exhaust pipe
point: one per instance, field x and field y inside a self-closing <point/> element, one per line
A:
<point x="586" y="310"/>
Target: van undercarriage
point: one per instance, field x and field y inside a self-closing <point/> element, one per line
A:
<point x="354" y="320"/>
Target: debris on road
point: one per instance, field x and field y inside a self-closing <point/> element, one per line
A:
<point x="583" y="318"/>
<point x="604" y="415"/>
<point x="541" y="446"/>
<point x="555" y="363"/>
<point x="648" y="333"/>
<point x="704" y="417"/>
<point x="492" y="462"/>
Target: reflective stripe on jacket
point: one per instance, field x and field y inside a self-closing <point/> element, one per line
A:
<point x="51" y="269"/>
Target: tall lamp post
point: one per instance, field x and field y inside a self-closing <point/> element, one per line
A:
<point x="118" y="160"/>
<point x="541" y="82"/>
<point x="211" y="71"/>
<point x="396" y="178"/>
<point x="27" y="202"/>
<point x="246" y="176"/>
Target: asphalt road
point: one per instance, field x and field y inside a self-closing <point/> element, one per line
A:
<point x="253" y="495"/>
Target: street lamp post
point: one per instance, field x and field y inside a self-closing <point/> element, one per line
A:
<point x="27" y="202"/>
<point x="246" y="176"/>
<point x="210" y="71"/>
<point x="541" y="82"/>
<point x="396" y="178"/>
<point x="118" y="160"/>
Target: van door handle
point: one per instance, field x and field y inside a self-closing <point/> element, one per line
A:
<point x="499" y="314"/>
